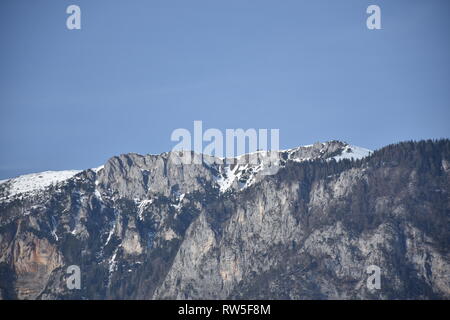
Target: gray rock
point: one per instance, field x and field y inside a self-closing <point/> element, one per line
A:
<point x="152" y="227"/>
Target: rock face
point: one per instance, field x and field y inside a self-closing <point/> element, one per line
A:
<point x="150" y="227"/>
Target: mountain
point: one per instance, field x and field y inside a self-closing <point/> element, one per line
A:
<point x="305" y="227"/>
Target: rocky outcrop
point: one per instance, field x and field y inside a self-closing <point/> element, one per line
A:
<point x="152" y="227"/>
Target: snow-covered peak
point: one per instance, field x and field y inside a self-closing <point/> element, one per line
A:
<point x="354" y="152"/>
<point x="327" y="150"/>
<point x="36" y="181"/>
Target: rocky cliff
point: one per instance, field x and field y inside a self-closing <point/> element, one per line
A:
<point x="152" y="227"/>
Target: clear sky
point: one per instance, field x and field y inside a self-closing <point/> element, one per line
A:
<point x="137" y="70"/>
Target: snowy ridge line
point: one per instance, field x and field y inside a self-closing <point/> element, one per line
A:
<point x="354" y="152"/>
<point x="231" y="175"/>
<point x="226" y="178"/>
<point x="349" y="152"/>
<point x="37" y="181"/>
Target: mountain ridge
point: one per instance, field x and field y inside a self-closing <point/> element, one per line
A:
<point x="143" y="227"/>
<point x="40" y="180"/>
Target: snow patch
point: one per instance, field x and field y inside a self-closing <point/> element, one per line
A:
<point x="37" y="181"/>
<point x="112" y="266"/>
<point x="96" y="170"/>
<point x="141" y="208"/>
<point x="178" y="205"/>
<point x="354" y="152"/>
<point x="225" y="180"/>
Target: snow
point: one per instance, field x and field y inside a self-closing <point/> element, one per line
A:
<point x="110" y="233"/>
<point x="179" y="203"/>
<point x="353" y="152"/>
<point x="98" y="195"/>
<point x="54" y="227"/>
<point x="296" y="148"/>
<point x="96" y="170"/>
<point x="266" y="166"/>
<point x="112" y="266"/>
<point x="37" y="181"/>
<point x="226" y="179"/>
<point x="141" y="207"/>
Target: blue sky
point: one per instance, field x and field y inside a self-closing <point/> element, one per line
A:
<point x="139" y="69"/>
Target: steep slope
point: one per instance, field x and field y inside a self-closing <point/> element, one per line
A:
<point x="304" y="227"/>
